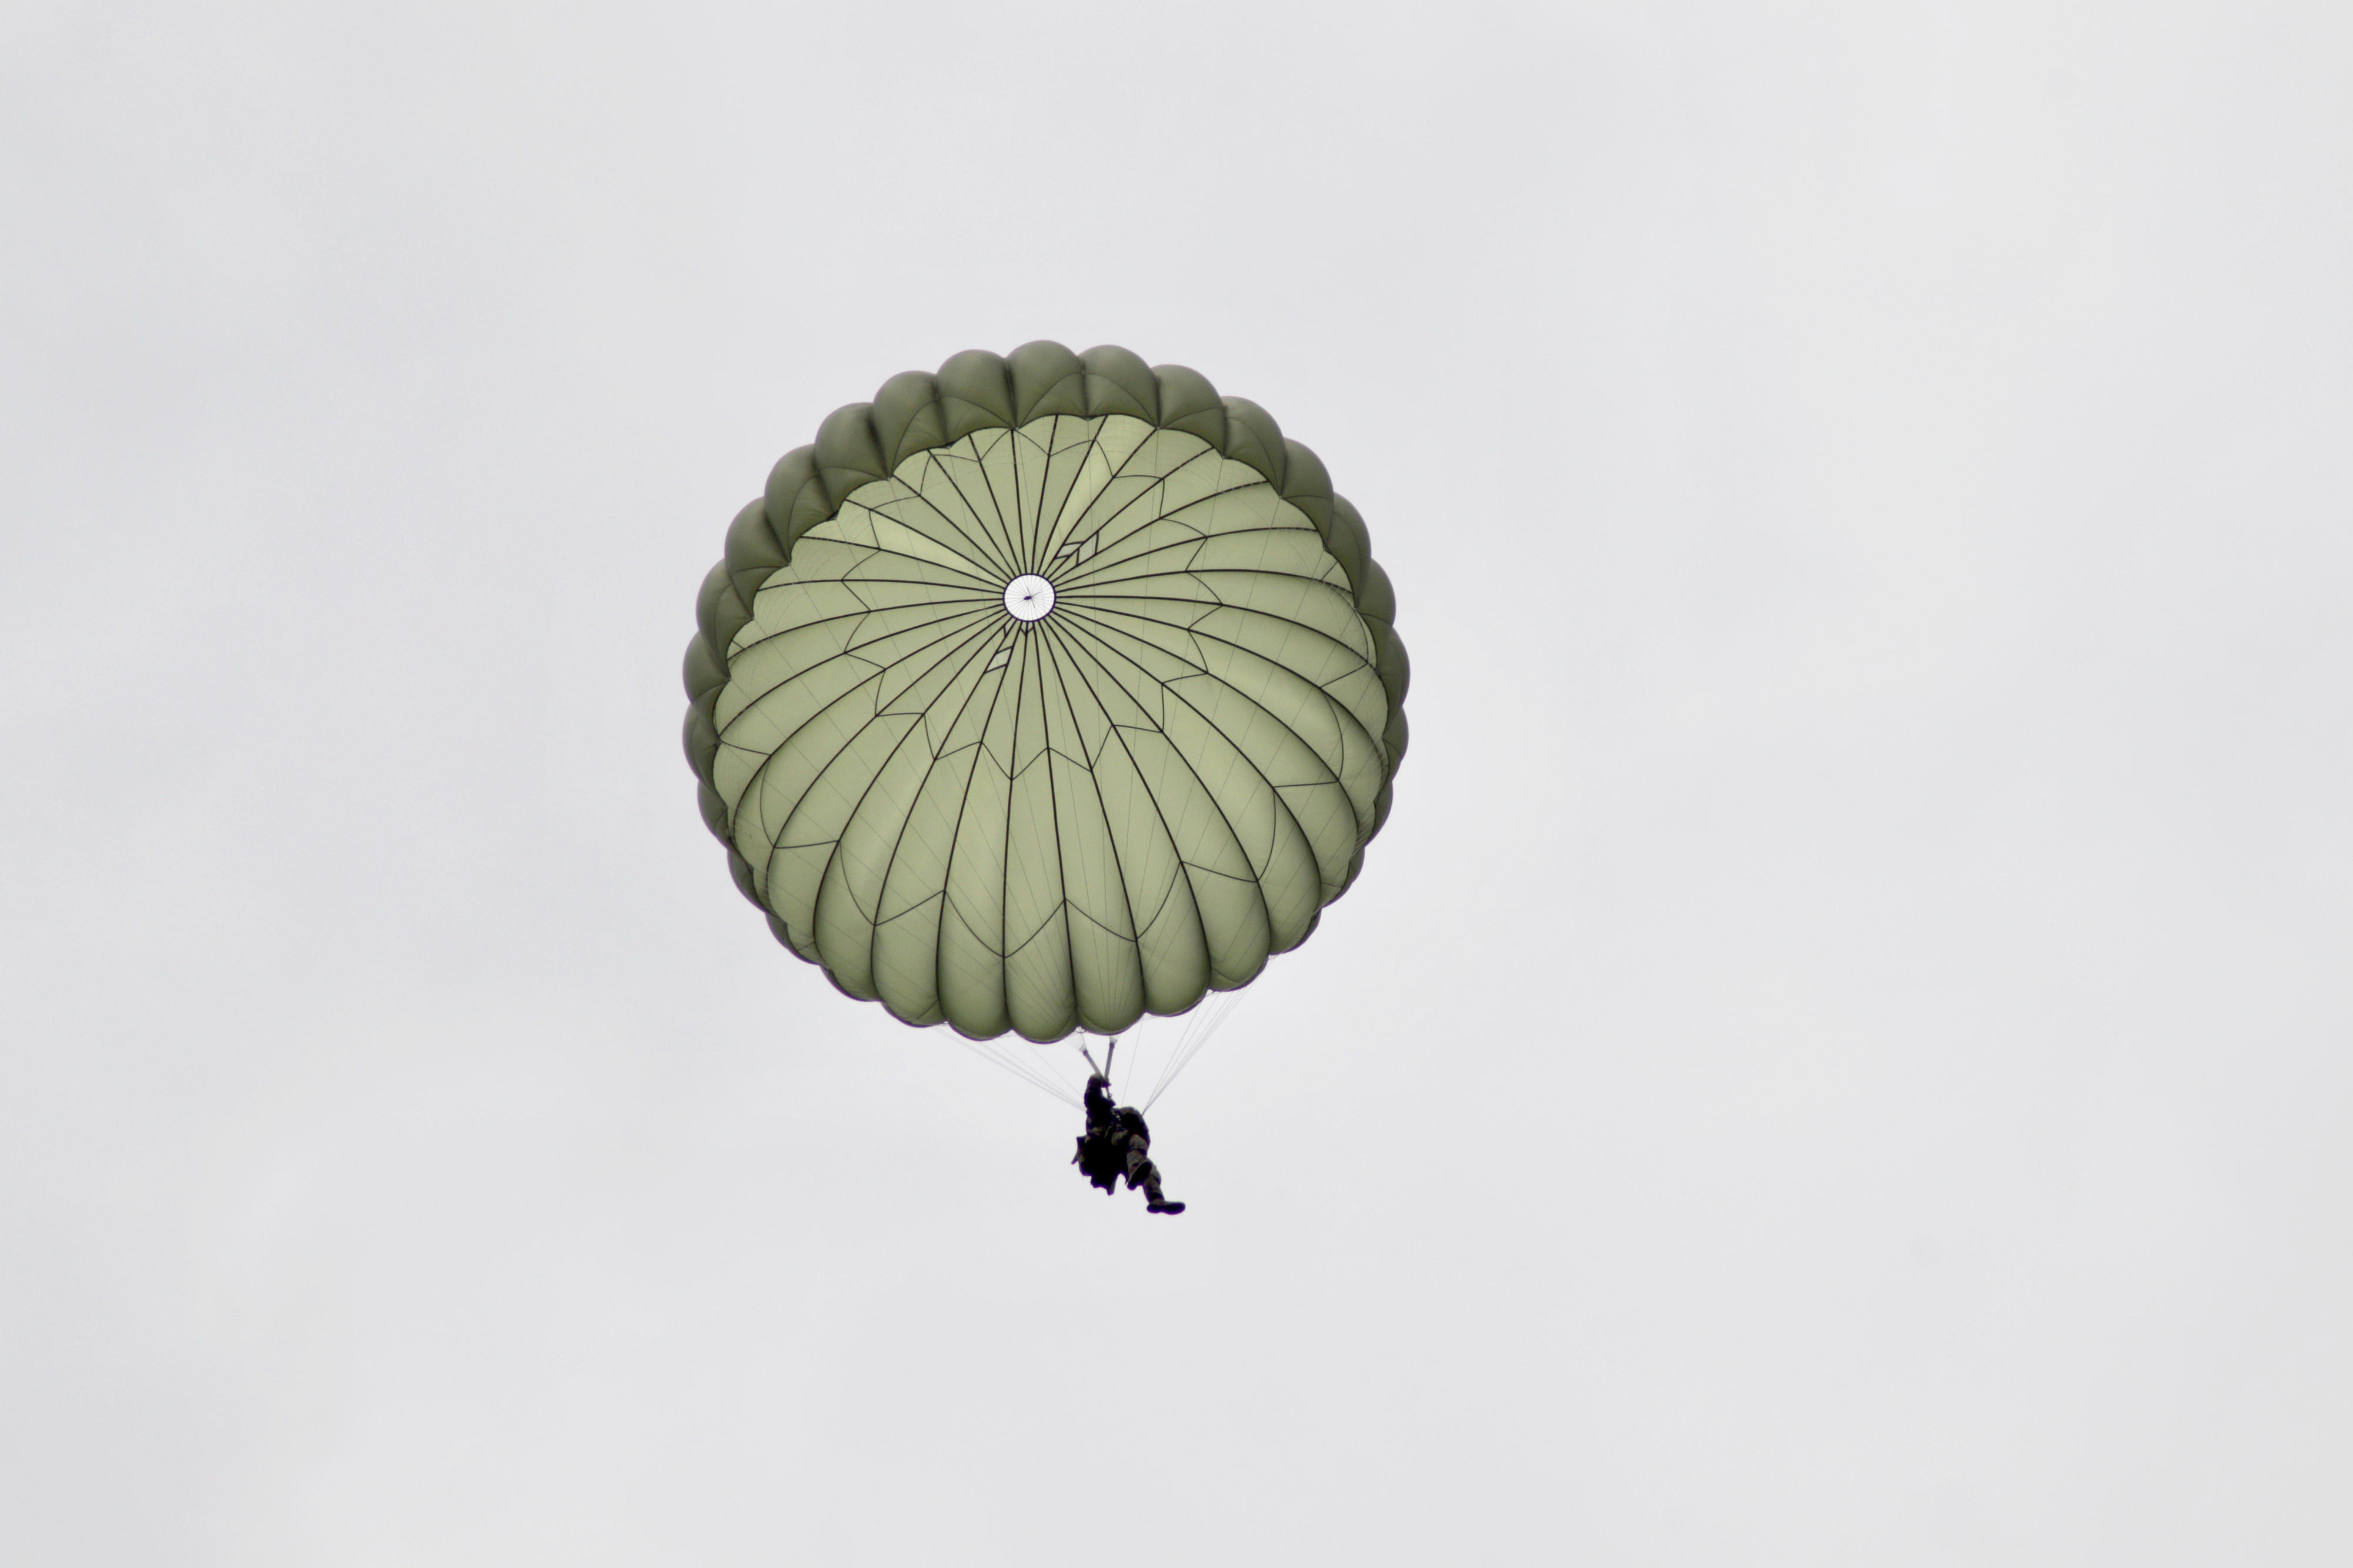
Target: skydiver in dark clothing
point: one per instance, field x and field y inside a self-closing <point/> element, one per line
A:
<point x="1117" y="1143"/>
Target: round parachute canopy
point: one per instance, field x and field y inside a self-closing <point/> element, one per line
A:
<point x="1045" y="692"/>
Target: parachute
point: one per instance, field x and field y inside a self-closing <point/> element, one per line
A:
<point x="1045" y="692"/>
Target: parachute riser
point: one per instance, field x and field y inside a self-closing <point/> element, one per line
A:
<point x="1103" y="1072"/>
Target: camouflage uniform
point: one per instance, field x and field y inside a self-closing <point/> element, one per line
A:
<point x="1117" y="1143"/>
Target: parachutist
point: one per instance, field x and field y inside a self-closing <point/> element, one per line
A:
<point x="1117" y="1143"/>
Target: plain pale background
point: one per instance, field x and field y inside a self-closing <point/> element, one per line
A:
<point x="1842" y="1056"/>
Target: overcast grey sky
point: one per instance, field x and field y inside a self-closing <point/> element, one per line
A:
<point x="1849" y="1066"/>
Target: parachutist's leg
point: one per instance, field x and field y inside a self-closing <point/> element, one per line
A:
<point x="1143" y="1172"/>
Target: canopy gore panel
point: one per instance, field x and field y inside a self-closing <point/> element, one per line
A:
<point x="1045" y="692"/>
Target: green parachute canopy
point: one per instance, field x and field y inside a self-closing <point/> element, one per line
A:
<point x="1044" y="692"/>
